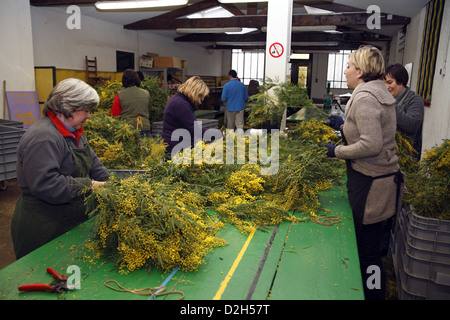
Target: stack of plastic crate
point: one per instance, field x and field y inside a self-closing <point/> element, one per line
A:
<point x="420" y="249"/>
<point x="10" y="134"/>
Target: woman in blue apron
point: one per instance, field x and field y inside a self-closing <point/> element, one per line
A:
<point x="374" y="180"/>
<point x="55" y="168"/>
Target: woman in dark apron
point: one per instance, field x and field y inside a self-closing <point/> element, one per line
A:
<point x="55" y="168"/>
<point x="374" y="181"/>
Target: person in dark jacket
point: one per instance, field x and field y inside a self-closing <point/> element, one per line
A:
<point x="132" y="103"/>
<point x="179" y="114"/>
<point x="55" y="167"/>
<point x="409" y="105"/>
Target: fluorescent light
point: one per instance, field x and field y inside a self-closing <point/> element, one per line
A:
<point x="138" y="4"/>
<point x="241" y="1"/>
<point x="207" y="30"/>
<point x="313" y="28"/>
<point x="243" y="31"/>
<point x="312" y="10"/>
<point x="216" y="12"/>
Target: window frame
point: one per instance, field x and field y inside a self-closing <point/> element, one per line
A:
<point x="243" y="62"/>
<point x="335" y="71"/>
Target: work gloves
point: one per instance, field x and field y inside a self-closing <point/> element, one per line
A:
<point x="335" y="122"/>
<point x="330" y="146"/>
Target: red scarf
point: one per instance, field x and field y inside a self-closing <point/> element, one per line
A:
<point x="62" y="129"/>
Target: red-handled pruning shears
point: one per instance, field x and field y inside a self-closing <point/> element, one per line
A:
<point x="58" y="285"/>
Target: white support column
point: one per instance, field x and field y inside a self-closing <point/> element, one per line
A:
<point x="278" y="40"/>
<point x="278" y="43"/>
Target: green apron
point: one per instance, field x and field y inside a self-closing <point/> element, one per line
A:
<point x="36" y="222"/>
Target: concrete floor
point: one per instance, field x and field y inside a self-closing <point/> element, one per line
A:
<point x="8" y="200"/>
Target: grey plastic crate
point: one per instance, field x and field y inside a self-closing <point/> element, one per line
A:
<point x="10" y="135"/>
<point x="9" y="140"/>
<point x="422" y="273"/>
<point x="11" y="123"/>
<point x="417" y="287"/>
<point x="6" y="157"/>
<point x="429" y="228"/>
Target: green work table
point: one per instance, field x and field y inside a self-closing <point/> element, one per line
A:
<point x="290" y="261"/>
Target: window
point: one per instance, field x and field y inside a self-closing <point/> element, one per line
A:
<point x="337" y="62"/>
<point x="249" y="65"/>
<point x="124" y="61"/>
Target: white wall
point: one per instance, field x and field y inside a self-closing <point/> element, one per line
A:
<point x="16" y="54"/>
<point x="56" y="45"/>
<point x="436" y="125"/>
<point x="413" y="45"/>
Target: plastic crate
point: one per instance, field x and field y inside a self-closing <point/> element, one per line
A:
<point x="429" y="228"/>
<point x="9" y="140"/>
<point x="421" y="272"/>
<point x="10" y="123"/>
<point x="8" y="155"/>
<point x="10" y="135"/>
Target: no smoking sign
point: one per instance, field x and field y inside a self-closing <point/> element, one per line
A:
<point x="276" y="50"/>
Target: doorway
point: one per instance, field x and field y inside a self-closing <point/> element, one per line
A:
<point x="301" y="70"/>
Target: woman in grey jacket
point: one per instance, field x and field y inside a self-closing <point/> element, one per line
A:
<point x="55" y="167"/>
<point x="373" y="176"/>
<point x="409" y="105"/>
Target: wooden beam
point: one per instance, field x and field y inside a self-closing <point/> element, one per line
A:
<point x="232" y="8"/>
<point x="60" y="2"/>
<point x="344" y="19"/>
<point x="341" y="46"/>
<point x="335" y="7"/>
<point x="167" y="24"/>
<point x="296" y="37"/>
<point x="184" y="11"/>
<point x="252" y="8"/>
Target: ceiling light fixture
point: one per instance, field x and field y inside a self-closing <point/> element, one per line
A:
<point x="138" y="4"/>
<point x="243" y="31"/>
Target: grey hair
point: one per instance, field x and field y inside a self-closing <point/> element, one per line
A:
<point x="69" y="95"/>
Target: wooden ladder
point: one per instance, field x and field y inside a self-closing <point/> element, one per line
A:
<point x="92" y="76"/>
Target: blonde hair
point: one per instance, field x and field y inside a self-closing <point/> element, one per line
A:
<point x="195" y="89"/>
<point x="370" y="61"/>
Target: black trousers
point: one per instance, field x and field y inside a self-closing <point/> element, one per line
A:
<point x="368" y="237"/>
<point x="372" y="271"/>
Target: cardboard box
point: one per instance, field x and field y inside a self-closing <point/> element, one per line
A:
<point x="146" y="62"/>
<point x="151" y="54"/>
<point x="166" y="62"/>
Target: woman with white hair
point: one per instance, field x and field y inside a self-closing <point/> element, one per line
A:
<point x="55" y="166"/>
